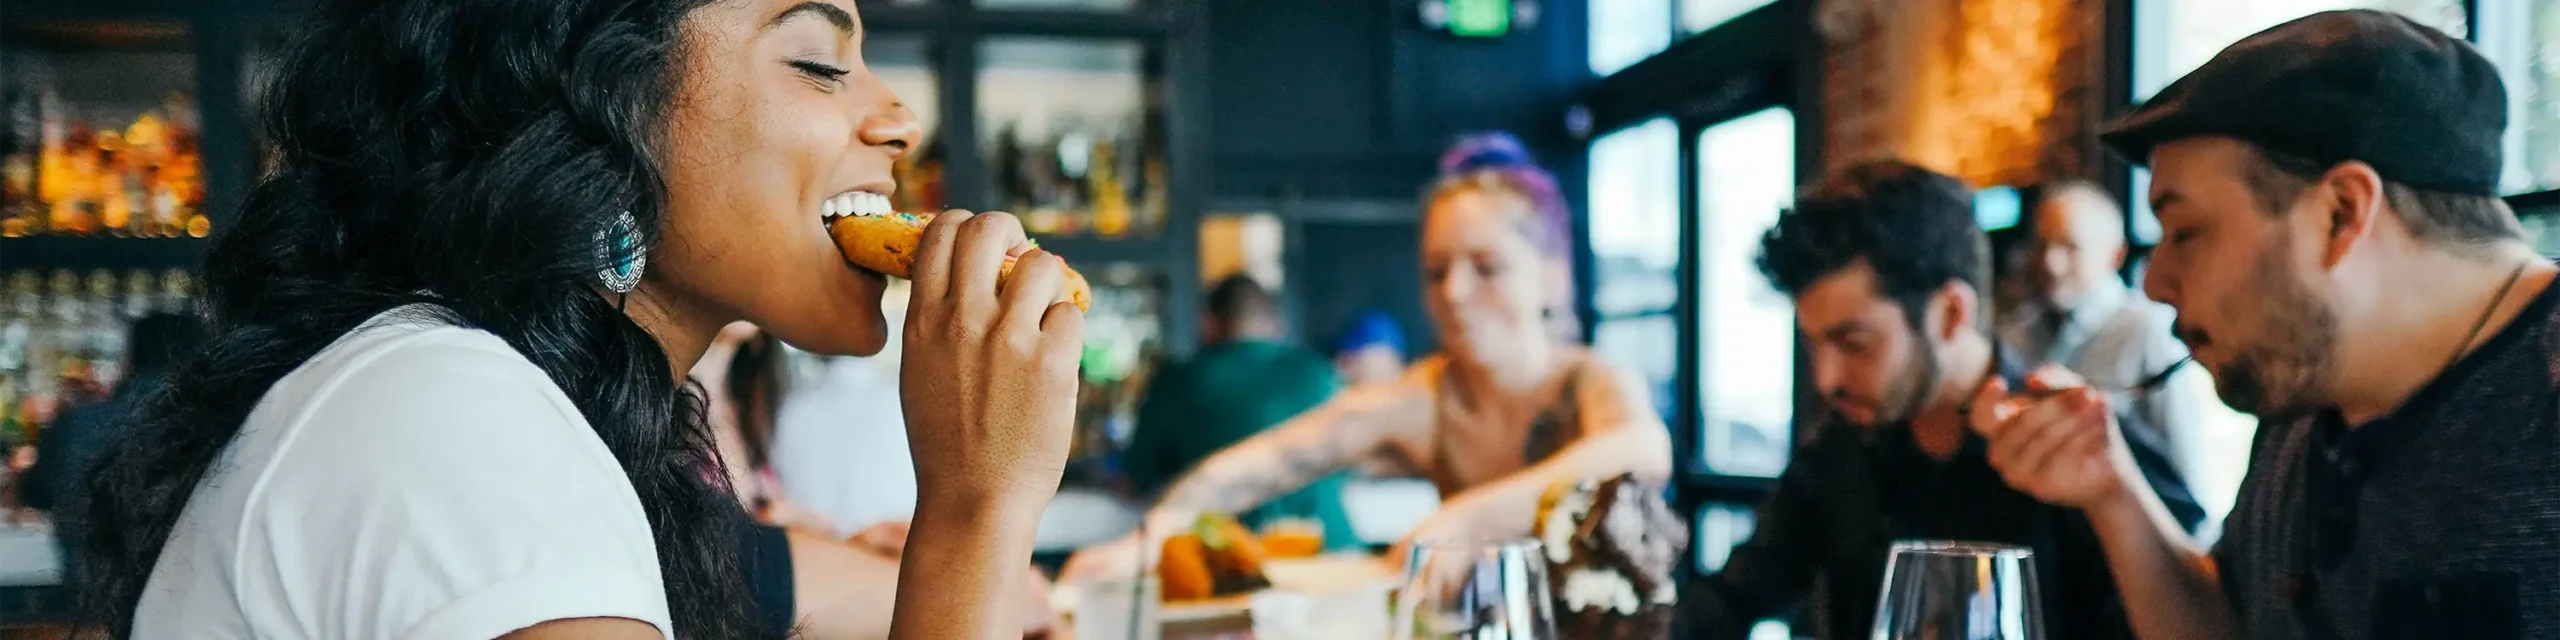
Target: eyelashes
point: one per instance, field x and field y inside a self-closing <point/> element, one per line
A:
<point x="832" y="75"/>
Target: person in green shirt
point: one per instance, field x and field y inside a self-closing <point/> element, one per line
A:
<point x="1243" y="381"/>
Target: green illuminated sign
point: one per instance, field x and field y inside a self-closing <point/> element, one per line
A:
<point x="1479" y="18"/>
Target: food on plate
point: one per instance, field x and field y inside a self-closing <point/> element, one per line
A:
<point x="1217" y="558"/>
<point x="873" y="237"/>
<point x="1611" y="546"/>
<point x="1292" y="538"/>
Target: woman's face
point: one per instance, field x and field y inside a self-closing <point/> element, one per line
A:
<point x="775" y="114"/>
<point x="1487" y="281"/>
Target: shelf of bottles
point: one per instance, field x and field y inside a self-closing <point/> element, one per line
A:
<point x="101" y="142"/>
<point x="1074" y="134"/>
<point x="1123" y="342"/>
<point x="62" y="337"/>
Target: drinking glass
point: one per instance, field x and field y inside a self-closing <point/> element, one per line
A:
<point x="1475" y="590"/>
<point x="1947" y="590"/>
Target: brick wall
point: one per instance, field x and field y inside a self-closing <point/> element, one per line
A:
<point x="1993" y="91"/>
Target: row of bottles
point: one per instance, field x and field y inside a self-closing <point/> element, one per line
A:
<point x="1123" y="344"/>
<point x="62" y="338"/>
<point x="62" y="174"/>
<point x="1106" y="181"/>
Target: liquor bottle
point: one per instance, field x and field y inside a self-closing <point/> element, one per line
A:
<point x="177" y="292"/>
<point x="1110" y="202"/>
<point x="105" y="342"/>
<point x="137" y="294"/>
<point x="20" y="141"/>
<point x="19" y="313"/>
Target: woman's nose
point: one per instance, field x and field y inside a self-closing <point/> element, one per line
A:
<point x="1456" y="285"/>
<point x="893" y="127"/>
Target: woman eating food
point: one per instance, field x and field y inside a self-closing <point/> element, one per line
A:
<point x="443" y="397"/>
<point x="1507" y="408"/>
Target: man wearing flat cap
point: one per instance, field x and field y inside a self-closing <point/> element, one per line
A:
<point x="2340" y="262"/>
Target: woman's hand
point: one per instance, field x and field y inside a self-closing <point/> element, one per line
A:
<point x="989" y="376"/>
<point x="989" y="386"/>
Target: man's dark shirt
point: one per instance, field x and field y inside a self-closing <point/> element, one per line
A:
<point x="2440" y="519"/>
<point x="1851" y="492"/>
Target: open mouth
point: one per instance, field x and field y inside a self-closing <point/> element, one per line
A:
<point x="853" y="203"/>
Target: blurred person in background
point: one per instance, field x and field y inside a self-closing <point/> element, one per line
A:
<point x="1507" y="408"/>
<point x="1371" y="351"/>
<point x="807" y="581"/>
<point x="840" y="443"/>
<point x="443" y="390"/>
<point x="2081" y="315"/>
<point x="1886" y="269"/>
<point x="55" y="485"/>
<point x="1243" y="381"/>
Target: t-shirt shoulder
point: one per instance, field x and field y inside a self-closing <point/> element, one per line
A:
<point x="418" y="480"/>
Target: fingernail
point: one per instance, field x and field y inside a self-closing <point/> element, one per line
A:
<point x="1017" y="251"/>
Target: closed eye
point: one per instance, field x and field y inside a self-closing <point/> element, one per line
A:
<point x="832" y="75"/>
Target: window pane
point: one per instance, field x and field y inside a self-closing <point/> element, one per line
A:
<point x="1074" y="134"/>
<point x="905" y="64"/>
<point x="2523" y="38"/>
<point x="1701" y="15"/>
<point x="1746" y="175"/>
<point x="1720" y="527"/>
<point x="2173" y="37"/>
<point x="1635" y="218"/>
<point x="1651" y="346"/>
<point x="1624" y="32"/>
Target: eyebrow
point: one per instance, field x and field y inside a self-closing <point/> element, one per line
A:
<point x="2166" y="199"/>
<point x="844" y="21"/>
<point x="1843" y="330"/>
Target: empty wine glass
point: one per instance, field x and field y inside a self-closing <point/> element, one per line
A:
<point x="1475" y="590"/>
<point x="1946" y="590"/>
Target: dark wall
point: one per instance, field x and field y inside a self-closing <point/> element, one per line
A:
<point x="1366" y="266"/>
<point x="1355" y="99"/>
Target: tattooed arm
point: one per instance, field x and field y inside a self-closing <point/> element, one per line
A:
<point x="1620" y="433"/>
<point x="1342" y="432"/>
<point x="1352" y="427"/>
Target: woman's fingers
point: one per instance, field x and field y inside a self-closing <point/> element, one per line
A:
<point x="932" y="270"/>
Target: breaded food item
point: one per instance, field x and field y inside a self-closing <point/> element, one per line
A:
<point x="887" y="243"/>
<point x="1184" y="571"/>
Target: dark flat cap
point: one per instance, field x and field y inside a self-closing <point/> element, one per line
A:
<point x="2421" y="107"/>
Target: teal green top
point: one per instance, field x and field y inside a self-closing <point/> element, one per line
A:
<point x="1223" y="395"/>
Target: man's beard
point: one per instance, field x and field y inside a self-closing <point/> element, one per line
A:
<point x="2287" y="372"/>
<point x="1909" y="392"/>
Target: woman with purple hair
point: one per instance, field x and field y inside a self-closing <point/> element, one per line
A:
<point x="1509" y="406"/>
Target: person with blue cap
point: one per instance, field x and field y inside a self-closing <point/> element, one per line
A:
<point x="2340" y="261"/>
<point x="1371" y="351"/>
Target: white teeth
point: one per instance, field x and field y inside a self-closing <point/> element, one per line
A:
<point x="869" y="204"/>
<point x="856" y="203"/>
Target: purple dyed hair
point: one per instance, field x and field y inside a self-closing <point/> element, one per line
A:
<point x="1497" y="162"/>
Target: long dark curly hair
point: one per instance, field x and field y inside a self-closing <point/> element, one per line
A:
<point x="465" y="154"/>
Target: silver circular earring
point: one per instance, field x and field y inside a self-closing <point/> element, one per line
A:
<point x="618" y="246"/>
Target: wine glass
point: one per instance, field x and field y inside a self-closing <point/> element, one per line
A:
<point x="1475" y="590"/>
<point x="1949" y="590"/>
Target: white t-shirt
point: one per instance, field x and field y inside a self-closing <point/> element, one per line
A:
<point x="840" y="445"/>
<point x="413" y="481"/>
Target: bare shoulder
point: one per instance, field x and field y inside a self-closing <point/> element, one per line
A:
<point x="588" y="629"/>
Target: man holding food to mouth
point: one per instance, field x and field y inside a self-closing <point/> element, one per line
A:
<point x="2340" y="261"/>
